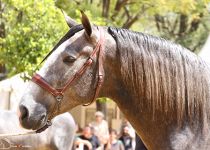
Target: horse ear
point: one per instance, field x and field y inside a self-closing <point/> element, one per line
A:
<point x="86" y="24"/>
<point x="70" y="22"/>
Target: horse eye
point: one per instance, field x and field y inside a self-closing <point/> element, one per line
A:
<point x="69" y="59"/>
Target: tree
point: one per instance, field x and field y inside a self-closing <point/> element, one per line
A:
<point x="27" y="38"/>
<point x="182" y="21"/>
<point x="2" y="35"/>
<point x="186" y="25"/>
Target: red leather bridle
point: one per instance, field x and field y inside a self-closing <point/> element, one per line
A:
<point x="58" y="93"/>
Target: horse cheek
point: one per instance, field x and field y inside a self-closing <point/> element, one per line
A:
<point x="85" y="85"/>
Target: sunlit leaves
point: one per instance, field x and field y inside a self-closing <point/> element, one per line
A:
<point x="32" y="28"/>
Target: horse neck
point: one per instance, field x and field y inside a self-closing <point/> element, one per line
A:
<point x="135" y="108"/>
<point x="112" y="76"/>
<point x="114" y="87"/>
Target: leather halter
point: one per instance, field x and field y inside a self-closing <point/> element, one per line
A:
<point x="58" y="93"/>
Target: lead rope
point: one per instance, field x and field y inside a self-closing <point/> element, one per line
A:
<point x="48" y="124"/>
<point x="17" y="134"/>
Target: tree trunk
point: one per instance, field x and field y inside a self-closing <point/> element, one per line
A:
<point x="2" y="35"/>
<point x="105" y="9"/>
<point x="2" y="72"/>
<point x="2" y="25"/>
<point x="183" y="24"/>
<point x="129" y="23"/>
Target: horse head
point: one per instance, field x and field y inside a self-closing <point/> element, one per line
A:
<point x="71" y="75"/>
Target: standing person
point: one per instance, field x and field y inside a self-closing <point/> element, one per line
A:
<point x="87" y="140"/>
<point x="131" y="131"/>
<point x="114" y="143"/>
<point x="100" y="127"/>
<point x="126" y="138"/>
<point x="137" y="143"/>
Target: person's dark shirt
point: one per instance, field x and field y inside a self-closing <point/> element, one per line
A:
<point x="93" y="140"/>
<point x="139" y="144"/>
<point x="127" y="142"/>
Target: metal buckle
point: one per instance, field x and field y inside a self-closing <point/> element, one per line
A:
<point x="89" y="61"/>
<point x="49" y="123"/>
<point x="59" y="97"/>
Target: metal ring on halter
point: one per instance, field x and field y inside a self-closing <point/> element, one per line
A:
<point x="49" y="123"/>
<point x="59" y="97"/>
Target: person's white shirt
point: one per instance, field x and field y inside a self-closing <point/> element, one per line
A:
<point x="101" y="130"/>
<point x="100" y="127"/>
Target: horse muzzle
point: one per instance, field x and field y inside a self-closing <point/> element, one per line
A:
<point x="32" y="115"/>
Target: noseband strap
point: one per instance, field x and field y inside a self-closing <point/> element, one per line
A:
<point x="58" y="93"/>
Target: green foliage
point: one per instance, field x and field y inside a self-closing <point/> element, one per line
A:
<point x="103" y="100"/>
<point x="32" y="28"/>
<point x="182" y="21"/>
<point x="91" y="10"/>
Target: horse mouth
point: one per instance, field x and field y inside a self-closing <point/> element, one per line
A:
<point x="32" y="117"/>
<point x="41" y="123"/>
<point x="33" y="124"/>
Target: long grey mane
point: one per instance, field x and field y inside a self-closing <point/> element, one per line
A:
<point x="168" y="77"/>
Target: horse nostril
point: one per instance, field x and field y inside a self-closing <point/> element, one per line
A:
<point x="23" y="112"/>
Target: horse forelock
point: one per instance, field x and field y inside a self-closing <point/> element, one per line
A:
<point x="168" y="76"/>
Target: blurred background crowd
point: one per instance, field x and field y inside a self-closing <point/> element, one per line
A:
<point x="97" y="136"/>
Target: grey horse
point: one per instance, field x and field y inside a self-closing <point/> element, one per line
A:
<point x="162" y="88"/>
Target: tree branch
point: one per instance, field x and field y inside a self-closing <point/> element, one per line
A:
<point x="2" y="25"/>
<point x="105" y="8"/>
<point x="195" y="23"/>
<point x="118" y="6"/>
<point x="130" y="22"/>
<point x="183" y="24"/>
